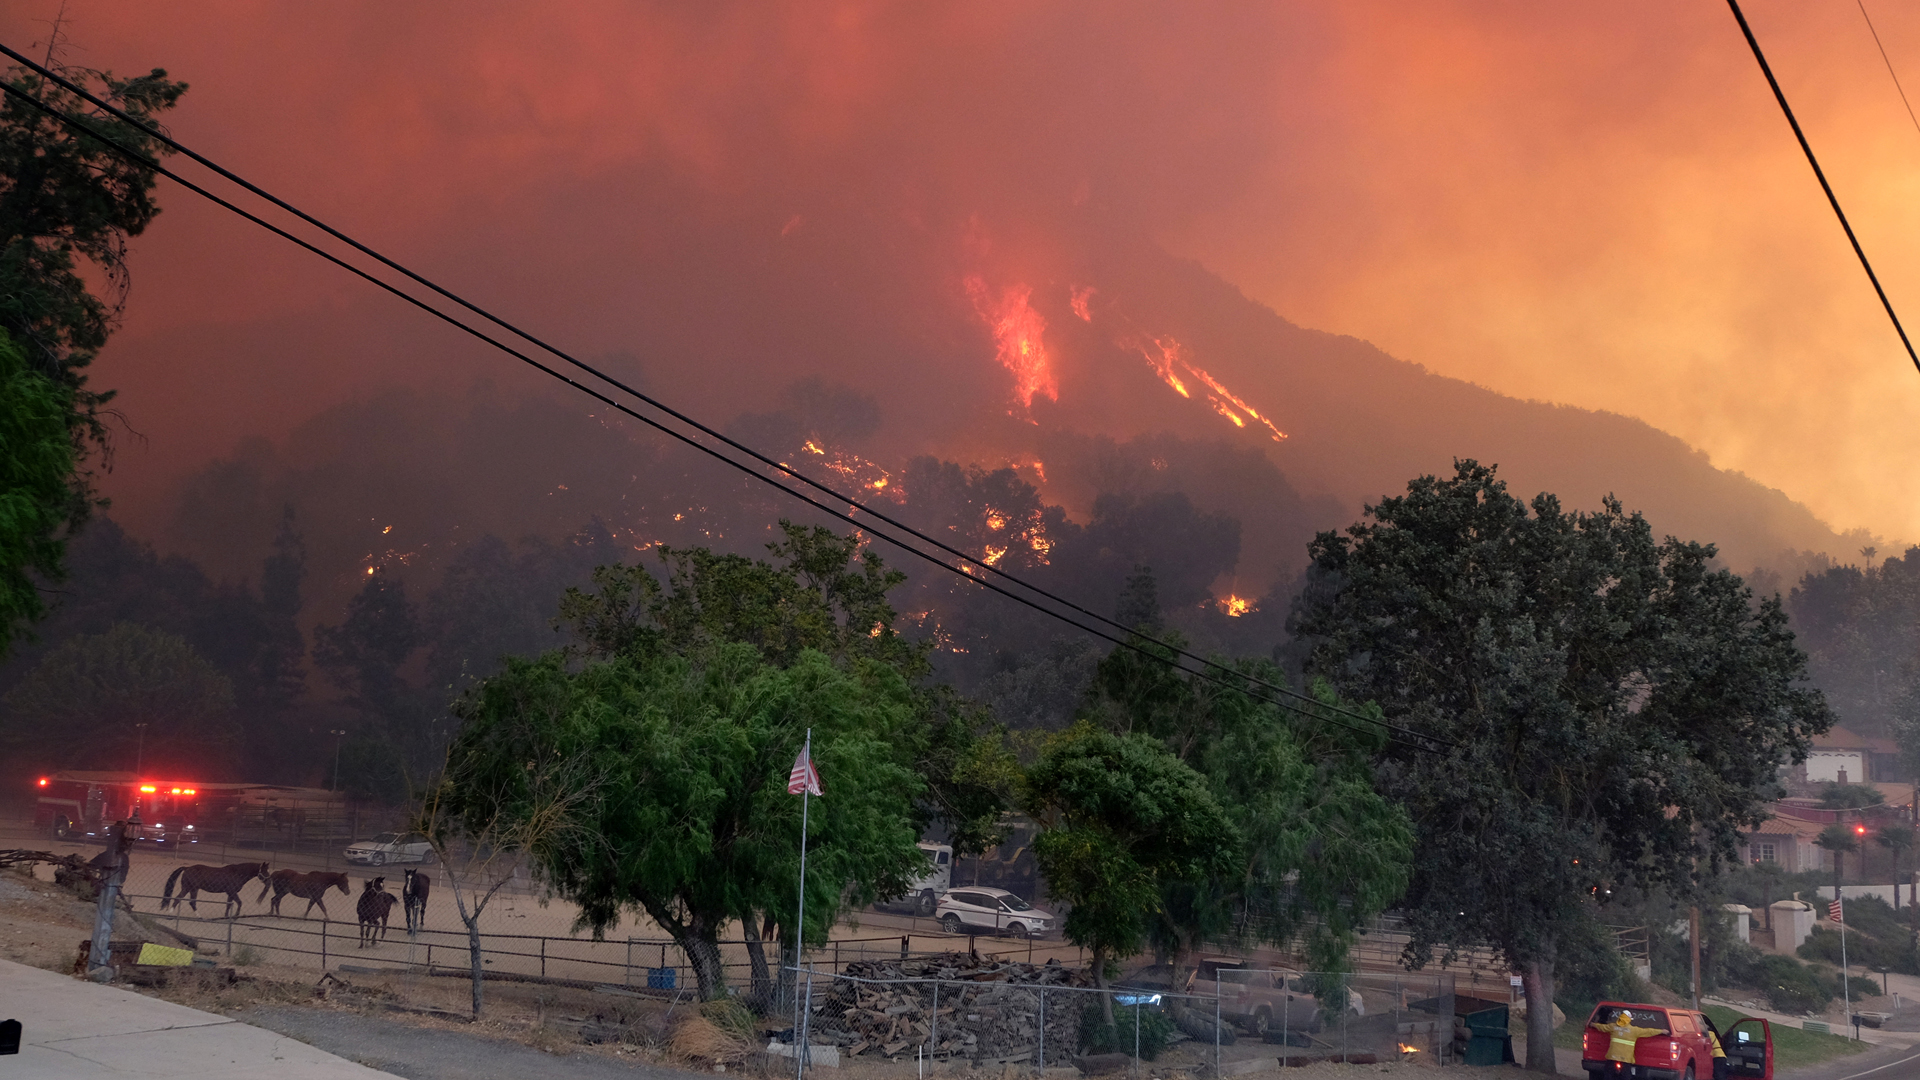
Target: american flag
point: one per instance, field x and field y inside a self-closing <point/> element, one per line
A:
<point x="1833" y="911"/>
<point x="804" y="777"/>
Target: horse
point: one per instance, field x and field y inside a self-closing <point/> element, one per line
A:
<point x="414" y="897"/>
<point x="309" y="887"/>
<point x="375" y="904"/>
<point x="219" y="879"/>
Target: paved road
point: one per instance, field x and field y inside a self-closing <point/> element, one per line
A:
<point x="431" y="1054"/>
<point x="73" y="1029"/>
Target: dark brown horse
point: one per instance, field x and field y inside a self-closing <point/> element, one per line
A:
<point x="309" y="887"/>
<point x="375" y="904"/>
<point x="218" y="879"/>
<point x="413" y="896"/>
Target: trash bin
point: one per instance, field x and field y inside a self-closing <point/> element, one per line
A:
<point x="1488" y="1041"/>
<point x="660" y="978"/>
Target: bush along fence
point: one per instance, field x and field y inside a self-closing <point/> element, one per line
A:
<point x="937" y="1009"/>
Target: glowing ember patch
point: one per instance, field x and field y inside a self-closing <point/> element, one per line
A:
<point x="1228" y="413"/>
<point x="1082" y="294"/>
<point x="994" y="555"/>
<point x="369" y="571"/>
<point x="880" y="483"/>
<point x="1018" y="334"/>
<point x="1235" y="606"/>
<point x="812" y="447"/>
<point x="386" y="530"/>
<point x="996" y="522"/>
<point x="1042" y="545"/>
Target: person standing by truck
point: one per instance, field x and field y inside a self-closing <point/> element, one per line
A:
<point x="1622" y="1035"/>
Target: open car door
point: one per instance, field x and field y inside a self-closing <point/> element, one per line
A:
<point x="1748" y="1044"/>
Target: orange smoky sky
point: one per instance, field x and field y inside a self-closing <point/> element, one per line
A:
<point x="1597" y="205"/>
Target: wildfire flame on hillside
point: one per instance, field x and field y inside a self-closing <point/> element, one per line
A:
<point x="1235" y="606"/>
<point x="1166" y="355"/>
<point x="1018" y="332"/>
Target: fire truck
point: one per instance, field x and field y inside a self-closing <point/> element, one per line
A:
<point x="82" y="805"/>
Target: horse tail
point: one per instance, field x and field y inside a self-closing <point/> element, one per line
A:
<point x="166" y="895"/>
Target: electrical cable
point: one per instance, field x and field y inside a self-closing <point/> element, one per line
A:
<point x="1832" y="199"/>
<point x="149" y="163"/>
<point x="1889" y="62"/>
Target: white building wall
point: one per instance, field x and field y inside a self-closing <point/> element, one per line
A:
<point x="1826" y="765"/>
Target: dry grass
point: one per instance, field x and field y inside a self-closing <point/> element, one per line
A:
<point x="697" y="1040"/>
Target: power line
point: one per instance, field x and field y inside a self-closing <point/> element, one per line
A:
<point x="1832" y="199"/>
<point x="1207" y="671"/>
<point x="984" y="567"/>
<point x="1889" y="62"/>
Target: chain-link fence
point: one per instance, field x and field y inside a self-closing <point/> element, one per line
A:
<point x="1050" y="1014"/>
<point x="331" y="936"/>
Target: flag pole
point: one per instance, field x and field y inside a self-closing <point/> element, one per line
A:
<point x="800" y="925"/>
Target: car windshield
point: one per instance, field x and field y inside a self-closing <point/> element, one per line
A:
<point x="1014" y="903"/>
<point x="387" y="838"/>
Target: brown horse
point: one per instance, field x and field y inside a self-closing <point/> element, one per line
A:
<point x="309" y="887"/>
<point x="375" y="904"/>
<point x="413" y="896"/>
<point x="218" y="879"/>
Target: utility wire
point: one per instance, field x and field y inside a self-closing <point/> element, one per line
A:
<point x="1832" y="199"/>
<point x="1207" y="672"/>
<point x="984" y="567"/>
<point x="1889" y="62"/>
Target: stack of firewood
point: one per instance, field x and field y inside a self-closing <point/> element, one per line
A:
<point x="988" y="1011"/>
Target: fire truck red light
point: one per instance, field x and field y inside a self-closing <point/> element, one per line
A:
<point x="148" y="789"/>
<point x="43" y="781"/>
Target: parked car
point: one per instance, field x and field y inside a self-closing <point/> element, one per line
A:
<point x="979" y="910"/>
<point x="1259" y="1000"/>
<point x="923" y="895"/>
<point x="390" y="848"/>
<point x="1679" y="1049"/>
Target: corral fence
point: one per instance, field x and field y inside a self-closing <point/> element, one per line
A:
<point x="1048" y="1017"/>
<point x="633" y="962"/>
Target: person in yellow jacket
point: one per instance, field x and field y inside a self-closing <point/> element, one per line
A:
<point x="1719" y="1056"/>
<point x="1622" y="1035"/>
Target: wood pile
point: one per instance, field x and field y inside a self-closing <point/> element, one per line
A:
<point x="989" y="1011"/>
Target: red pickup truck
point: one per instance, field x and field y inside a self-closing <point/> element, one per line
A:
<point x="1680" y="1050"/>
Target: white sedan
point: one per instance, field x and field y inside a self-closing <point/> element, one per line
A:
<point x="979" y="910"/>
<point x="390" y="848"/>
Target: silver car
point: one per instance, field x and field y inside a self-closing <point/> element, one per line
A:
<point x="978" y="910"/>
<point x="390" y="848"/>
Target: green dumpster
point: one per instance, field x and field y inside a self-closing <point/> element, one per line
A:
<point x="1488" y="1041"/>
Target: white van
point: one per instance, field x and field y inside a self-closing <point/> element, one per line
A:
<point x="923" y="895"/>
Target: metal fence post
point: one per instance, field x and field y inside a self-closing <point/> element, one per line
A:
<point x="543" y="958"/>
<point x="229" y="937"/>
<point x="934" y="1038"/>
<point x="1136" y="1035"/>
<point x="1043" y="1030"/>
<point x="323" y="944"/>
<point x="1216" y="1022"/>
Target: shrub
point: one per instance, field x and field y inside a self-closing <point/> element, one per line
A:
<point x="1099" y="1037"/>
<point x="1789" y="985"/>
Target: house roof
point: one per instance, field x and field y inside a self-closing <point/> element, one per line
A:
<point x="1840" y="738"/>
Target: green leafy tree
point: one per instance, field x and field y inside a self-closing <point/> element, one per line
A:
<point x="702" y="831"/>
<point x="68" y="205"/>
<point x="692" y="696"/>
<point x="1123" y="821"/>
<point x="36" y="491"/>
<point x="1614" y="710"/>
<point x="101" y="700"/>
<point x="1323" y="852"/>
